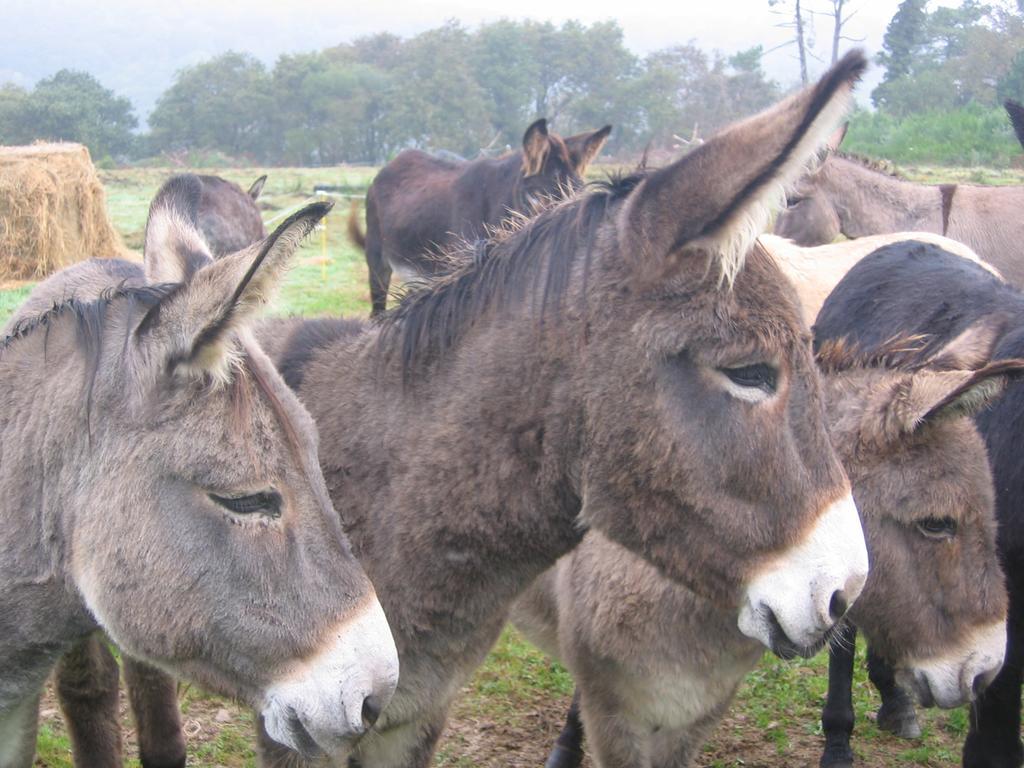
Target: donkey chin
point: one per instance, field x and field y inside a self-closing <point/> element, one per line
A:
<point x="324" y="704"/>
<point x="792" y="605"/>
<point x="960" y="675"/>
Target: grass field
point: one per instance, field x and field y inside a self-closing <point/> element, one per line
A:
<point x="512" y="710"/>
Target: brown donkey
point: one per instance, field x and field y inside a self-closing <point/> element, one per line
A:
<point x="620" y="363"/>
<point x="159" y="482"/>
<point x="419" y="204"/>
<point x="656" y="665"/>
<point x="854" y="197"/>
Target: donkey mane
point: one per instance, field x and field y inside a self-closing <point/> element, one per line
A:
<point x="90" y="316"/>
<point x="871" y="164"/>
<point x="523" y="255"/>
<point x="900" y="353"/>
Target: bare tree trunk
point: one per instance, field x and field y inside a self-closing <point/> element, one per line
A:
<point x="801" y="46"/>
<point x="837" y="28"/>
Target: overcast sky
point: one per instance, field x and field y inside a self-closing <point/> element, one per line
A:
<point x="136" y="46"/>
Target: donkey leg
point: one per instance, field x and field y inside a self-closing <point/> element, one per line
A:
<point x="154" y="698"/>
<point x="897" y="713"/>
<point x="615" y="741"/>
<point x="380" y="275"/>
<point x="994" y="738"/>
<point x="568" y="750"/>
<point x="837" y="715"/>
<point x="87" y="679"/>
<point x="18" y="730"/>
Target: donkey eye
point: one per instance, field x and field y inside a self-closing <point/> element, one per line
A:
<point x="266" y="503"/>
<point x="937" y="527"/>
<point x="758" y="376"/>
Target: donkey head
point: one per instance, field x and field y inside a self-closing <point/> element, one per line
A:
<point x="934" y="605"/>
<point x="217" y="554"/>
<point x="552" y="164"/>
<point x="705" y="448"/>
<point x="810" y="217"/>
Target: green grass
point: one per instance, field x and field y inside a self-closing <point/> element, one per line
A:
<point x="518" y="693"/>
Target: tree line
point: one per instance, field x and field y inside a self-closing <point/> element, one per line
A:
<point x="475" y="90"/>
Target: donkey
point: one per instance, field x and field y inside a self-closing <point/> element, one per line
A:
<point x="419" y="203"/>
<point x="159" y="483"/>
<point x="228" y="216"/>
<point x="916" y="290"/>
<point x="656" y="665"/>
<point x="814" y="272"/>
<point x="1015" y="111"/>
<point x="619" y="363"/>
<point x="855" y="197"/>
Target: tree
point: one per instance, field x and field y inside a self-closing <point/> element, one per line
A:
<point x="839" y="21"/>
<point x="70" y="106"/>
<point x="225" y="103"/>
<point x="904" y="39"/>
<point x="802" y="28"/>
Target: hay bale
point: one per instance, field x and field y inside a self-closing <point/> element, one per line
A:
<point x="52" y="211"/>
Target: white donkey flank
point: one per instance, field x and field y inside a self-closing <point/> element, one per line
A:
<point x="159" y="482"/>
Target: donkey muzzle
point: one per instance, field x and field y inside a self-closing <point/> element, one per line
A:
<point x="793" y="603"/>
<point x="960" y="675"/>
<point x="325" y="703"/>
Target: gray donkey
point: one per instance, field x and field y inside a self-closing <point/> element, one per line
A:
<point x="159" y="482"/>
<point x="656" y="665"/>
<point x="855" y="197"/>
<point x="623" y="362"/>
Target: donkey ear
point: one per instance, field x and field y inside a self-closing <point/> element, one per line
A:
<point x="257" y="187"/>
<point x="714" y="201"/>
<point x="221" y="298"/>
<point x="174" y="248"/>
<point x="937" y="395"/>
<point x="584" y="147"/>
<point x="972" y="348"/>
<point x="836" y="139"/>
<point x="535" y="147"/>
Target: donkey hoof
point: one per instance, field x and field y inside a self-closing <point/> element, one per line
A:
<point x="840" y="757"/>
<point x="561" y="757"/>
<point x="900" y="721"/>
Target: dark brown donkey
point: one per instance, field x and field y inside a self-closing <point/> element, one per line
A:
<point x="420" y="204"/>
<point x="159" y="482"/>
<point x="622" y="362"/>
<point x="1015" y="111"/>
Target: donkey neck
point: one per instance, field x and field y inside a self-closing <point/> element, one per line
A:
<point x="42" y="451"/>
<point x="869" y="202"/>
<point x="492" y="183"/>
<point x="457" y="491"/>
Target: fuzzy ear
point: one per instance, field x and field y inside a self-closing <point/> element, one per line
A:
<point x="836" y="139"/>
<point x="535" y="147"/>
<point x="931" y="396"/>
<point x="174" y="248"/>
<point x="257" y="187"/>
<point x="1016" y="112"/>
<point x="196" y="324"/>
<point x="713" y="202"/>
<point x="972" y="348"/>
<point x="584" y="147"/>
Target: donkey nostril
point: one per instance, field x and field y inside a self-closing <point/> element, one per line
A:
<point x="371" y="711"/>
<point x="838" y="606"/>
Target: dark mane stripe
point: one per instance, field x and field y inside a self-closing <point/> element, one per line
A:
<point x="537" y="255"/>
<point x="90" y="316"/>
<point x="878" y="166"/>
